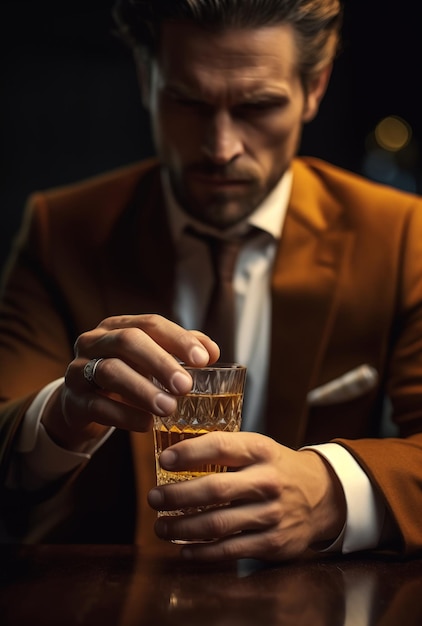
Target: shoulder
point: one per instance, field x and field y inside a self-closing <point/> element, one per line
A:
<point x="352" y="198"/>
<point x="351" y="188"/>
<point x="114" y="187"/>
<point x="87" y="212"/>
<point x="92" y="206"/>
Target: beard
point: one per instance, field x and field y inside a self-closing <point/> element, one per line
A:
<point x="218" y="205"/>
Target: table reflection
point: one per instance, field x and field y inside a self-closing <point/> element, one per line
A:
<point x="125" y="586"/>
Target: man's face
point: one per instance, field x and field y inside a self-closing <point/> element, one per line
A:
<point x="227" y="111"/>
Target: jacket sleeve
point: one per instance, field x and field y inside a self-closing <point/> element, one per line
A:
<point x="35" y="341"/>
<point x="395" y="464"/>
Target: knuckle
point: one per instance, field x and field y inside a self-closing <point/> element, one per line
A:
<point x="273" y="514"/>
<point x="73" y="377"/>
<point x="222" y="443"/>
<point x="185" y="337"/>
<point x="219" y="524"/>
<point x="86" y="341"/>
<point x="222" y="487"/>
<point x="116" y="321"/>
<point x="108" y="322"/>
<point x="228" y="550"/>
<point x="271" y="483"/>
<point x="263" y="448"/>
<point x="125" y="339"/>
<point x="266" y="485"/>
<point x="81" y="343"/>
<point x="150" y="321"/>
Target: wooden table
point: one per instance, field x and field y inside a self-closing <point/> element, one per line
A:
<point x="124" y="586"/>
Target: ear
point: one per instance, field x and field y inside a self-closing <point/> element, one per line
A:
<point x="316" y="91"/>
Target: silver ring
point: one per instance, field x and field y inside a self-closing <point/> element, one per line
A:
<point x="89" y="371"/>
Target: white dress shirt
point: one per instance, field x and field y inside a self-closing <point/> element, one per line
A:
<point x="38" y="460"/>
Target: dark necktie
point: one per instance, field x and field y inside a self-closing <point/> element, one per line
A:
<point x="220" y="314"/>
<point x="220" y="318"/>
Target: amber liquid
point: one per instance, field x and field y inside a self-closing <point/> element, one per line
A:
<point x="164" y="439"/>
<point x="196" y="415"/>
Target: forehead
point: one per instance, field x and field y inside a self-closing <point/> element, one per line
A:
<point x="234" y="59"/>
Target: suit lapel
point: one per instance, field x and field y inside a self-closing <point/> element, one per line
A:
<point x="138" y="270"/>
<point x="314" y="247"/>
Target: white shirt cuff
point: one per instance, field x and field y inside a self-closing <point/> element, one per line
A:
<point x="365" y="508"/>
<point x="40" y="460"/>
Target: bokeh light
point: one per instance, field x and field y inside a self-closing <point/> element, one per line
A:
<point x="392" y="154"/>
<point x="393" y="133"/>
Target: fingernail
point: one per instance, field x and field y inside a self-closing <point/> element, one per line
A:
<point x="165" y="404"/>
<point x="181" y="382"/>
<point x="199" y="356"/>
<point x="168" y="459"/>
<point x="155" y="498"/>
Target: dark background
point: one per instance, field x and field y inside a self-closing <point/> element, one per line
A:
<point x="69" y="102"/>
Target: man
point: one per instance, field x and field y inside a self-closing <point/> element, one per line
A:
<point x="109" y="274"/>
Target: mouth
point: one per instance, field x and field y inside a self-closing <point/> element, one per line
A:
<point x="221" y="182"/>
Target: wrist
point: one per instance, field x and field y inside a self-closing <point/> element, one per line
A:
<point x="62" y="433"/>
<point x="329" y="510"/>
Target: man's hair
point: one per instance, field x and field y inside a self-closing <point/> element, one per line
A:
<point x="316" y="23"/>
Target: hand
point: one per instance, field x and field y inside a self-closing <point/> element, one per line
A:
<point x="281" y="502"/>
<point x="134" y="349"/>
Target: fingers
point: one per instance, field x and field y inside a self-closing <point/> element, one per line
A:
<point x="114" y="377"/>
<point x="95" y="408"/>
<point x="117" y="389"/>
<point x="191" y="347"/>
<point x="216" y="523"/>
<point x="223" y="448"/>
<point x="149" y="345"/>
<point x="133" y="349"/>
<point x="242" y="545"/>
<point x="220" y="488"/>
<point x="246" y="451"/>
<point x="254" y="530"/>
<point x="269" y="545"/>
<point x="263" y="509"/>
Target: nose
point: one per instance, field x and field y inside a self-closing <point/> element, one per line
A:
<point x="222" y="142"/>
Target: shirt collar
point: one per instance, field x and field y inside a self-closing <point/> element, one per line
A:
<point x="268" y="216"/>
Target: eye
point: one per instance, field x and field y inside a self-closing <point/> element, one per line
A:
<point x="190" y="104"/>
<point x="261" y="106"/>
<point x="187" y="102"/>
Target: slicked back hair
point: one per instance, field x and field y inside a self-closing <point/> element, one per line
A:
<point x="316" y="23"/>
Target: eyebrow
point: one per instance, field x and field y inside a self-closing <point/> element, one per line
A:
<point x="256" y="94"/>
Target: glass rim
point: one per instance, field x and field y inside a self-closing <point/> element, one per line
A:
<point x="215" y="367"/>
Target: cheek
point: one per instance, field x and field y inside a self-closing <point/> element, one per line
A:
<point x="275" y="144"/>
<point x="177" y="136"/>
<point x="285" y="130"/>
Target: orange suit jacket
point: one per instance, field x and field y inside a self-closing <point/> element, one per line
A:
<point x="346" y="290"/>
